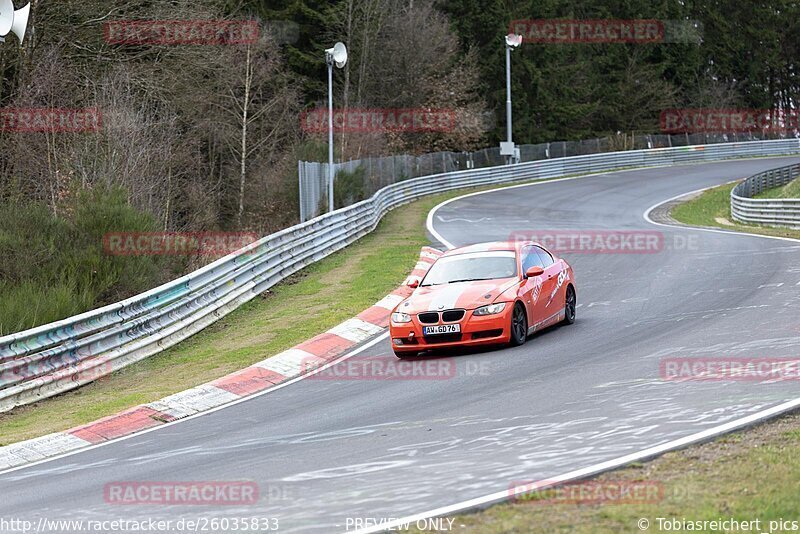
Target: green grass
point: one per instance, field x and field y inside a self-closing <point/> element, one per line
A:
<point x="790" y="190"/>
<point x="712" y="208"/>
<point x="750" y="475"/>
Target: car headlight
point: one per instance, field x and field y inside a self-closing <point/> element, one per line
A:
<point x="400" y="317"/>
<point x="491" y="309"/>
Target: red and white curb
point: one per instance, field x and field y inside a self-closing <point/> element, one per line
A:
<point x="257" y="378"/>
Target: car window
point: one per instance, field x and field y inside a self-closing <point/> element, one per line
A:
<point x="546" y="258"/>
<point x="473" y="266"/>
<point x="530" y="258"/>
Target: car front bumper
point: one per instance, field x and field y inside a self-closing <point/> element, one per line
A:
<point x="475" y="330"/>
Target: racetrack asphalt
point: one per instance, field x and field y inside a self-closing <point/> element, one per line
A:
<point x="324" y="450"/>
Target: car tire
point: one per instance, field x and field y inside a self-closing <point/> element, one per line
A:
<point x="519" y="326"/>
<point x="569" y="306"/>
<point x="404" y="355"/>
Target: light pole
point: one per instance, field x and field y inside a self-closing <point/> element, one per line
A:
<point x="337" y="55"/>
<point x="508" y="149"/>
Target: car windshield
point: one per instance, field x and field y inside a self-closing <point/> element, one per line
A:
<point x="471" y="267"/>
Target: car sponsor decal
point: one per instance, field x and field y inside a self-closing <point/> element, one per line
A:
<point x="562" y="276"/>
<point x="536" y="290"/>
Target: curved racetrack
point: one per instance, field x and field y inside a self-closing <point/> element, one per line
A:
<point x="571" y="397"/>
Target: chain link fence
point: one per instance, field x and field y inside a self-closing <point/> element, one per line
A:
<point x="357" y="180"/>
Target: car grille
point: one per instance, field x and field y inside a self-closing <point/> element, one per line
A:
<point x="451" y="316"/>
<point x="429" y="318"/>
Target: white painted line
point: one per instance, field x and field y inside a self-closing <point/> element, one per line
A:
<point x="192" y="401"/>
<point x="39" y="448"/>
<point x="712" y="230"/>
<point x="775" y="284"/>
<point x="289" y="363"/>
<point x="356" y="330"/>
<point x="239" y="400"/>
<point x="591" y="470"/>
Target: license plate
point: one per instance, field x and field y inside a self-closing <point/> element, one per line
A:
<point x="441" y="329"/>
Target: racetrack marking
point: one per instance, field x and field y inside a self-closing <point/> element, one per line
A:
<point x="389" y="302"/>
<point x="504" y="495"/>
<point x="652" y="208"/>
<point x="356" y="330"/>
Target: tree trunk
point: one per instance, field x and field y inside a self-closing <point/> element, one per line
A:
<point x="243" y="157"/>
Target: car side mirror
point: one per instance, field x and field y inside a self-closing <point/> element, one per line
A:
<point x="413" y="283"/>
<point x="534" y="271"/>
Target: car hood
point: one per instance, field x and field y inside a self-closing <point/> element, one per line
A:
<point x="467" y="295"/>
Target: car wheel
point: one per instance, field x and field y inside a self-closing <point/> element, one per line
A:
<point x="569" y="306"/>
<point x="404" y="355"/>
<point x="519" y="326"/>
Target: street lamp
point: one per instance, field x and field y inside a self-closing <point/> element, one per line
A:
<point x="508" y="149"/>
<point x="337" y="55"/>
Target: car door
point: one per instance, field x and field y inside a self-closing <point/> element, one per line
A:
<point x="552" y="298"/>
<point x="532" y="289"/>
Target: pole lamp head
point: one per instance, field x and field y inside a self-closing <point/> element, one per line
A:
<point x="513" y="40"/>
<point x="337" y="55"/>
<point x="12" y="21"/>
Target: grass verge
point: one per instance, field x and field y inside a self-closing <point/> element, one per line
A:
<point x="753" y="474"/>
<point x="712" y="208"/>
<point x="790" y="190"/>
<point x="325" y="294"/>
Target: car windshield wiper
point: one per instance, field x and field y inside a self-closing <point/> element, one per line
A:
<point x="468" y="280"/>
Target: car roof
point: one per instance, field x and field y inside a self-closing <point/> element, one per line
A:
<point x="513" y="246"/>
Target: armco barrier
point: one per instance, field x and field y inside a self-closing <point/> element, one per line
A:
<point x="771" y="211"/>
<point x="57" y="357"/>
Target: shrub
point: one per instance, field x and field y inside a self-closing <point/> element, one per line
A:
<point x="55" y="266"/>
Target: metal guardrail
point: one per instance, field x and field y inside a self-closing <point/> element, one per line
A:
<point x="770" y="211"/>
<point x="60" y="356"/>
